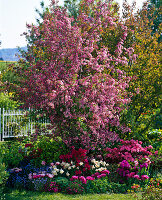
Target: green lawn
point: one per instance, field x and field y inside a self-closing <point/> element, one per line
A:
<point x="26" y="195"/>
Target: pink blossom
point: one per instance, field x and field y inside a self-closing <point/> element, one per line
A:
<point x="43" y="163"/>
<point x="50" y="175"/>
<point x="150" y="147"/>
<point x="52" y="164"/>
<point x="42" y="175"/>
<point x="30" y="176"/>
<point x="136" y="176"/>
<point x="143" y="177"/>
<point x="99" y="176"/>
<point x="105" y="172"/>
<point x="74" y="178"/>
<point x="90" y="178"/>
<point x="136" y="163"/>
<point x="83" y="179"/>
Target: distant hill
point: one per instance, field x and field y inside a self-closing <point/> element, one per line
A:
<point x="10" y="54"/>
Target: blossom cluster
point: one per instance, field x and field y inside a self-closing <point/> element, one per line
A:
<point x="127" y="150"/>
<point x="77" y="158"/>
<point x="51" y="187"/>
<point x="99" y="165"/>
<point x="97" y="175"/>
<point x="40" y="175"/>
<point x="133" y="170"/>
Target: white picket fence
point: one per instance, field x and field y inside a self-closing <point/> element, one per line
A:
<point x="11" y="124"/>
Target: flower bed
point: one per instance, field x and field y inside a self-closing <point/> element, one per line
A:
<point x="78" y="171"/>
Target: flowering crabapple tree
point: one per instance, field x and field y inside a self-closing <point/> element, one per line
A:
<point x="73" y="79"/>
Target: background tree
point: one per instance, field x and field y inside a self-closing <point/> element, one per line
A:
<point x="157" y="15"/>
<point x="145" y="105"/>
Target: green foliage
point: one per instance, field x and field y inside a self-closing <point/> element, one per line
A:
<point x="6" y="102"/>
<point x="144" y="108"/>
<point x="62" y="182"/>
<point x="157" y="16"/>
<point x="154" y="138"/>
<point x="75" y="188"/>
<point x="6" y="77"/>
<point x="155" y="167"/>
<point x="12" y="157"/>
<point x="3" y="174"/>
<point x="72" y="7"/>
<point x="51" y="149"/>
<point x="44" y="148"/>
<point x="103" y="186"/>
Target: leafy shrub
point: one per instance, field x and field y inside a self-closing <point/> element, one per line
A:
<point x="51" y="148"/>
<point x="134" y="172"/>
<point x="116" y="188"/>
<point x="75" y="187"/>
<point x="62" y="182"/>
<point x="42" y="148"/>
<point x="103" y="186"/>
<point x="6" y="102"/>
<point x="156" y="163"/>
<point x="3" y="175"/>
<point x="12" y="157"/>
<point x="96" y="186"/>
<point x="154" y="137"/>
<point x="51" y="187"/>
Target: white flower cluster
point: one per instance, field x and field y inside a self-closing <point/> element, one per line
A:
<point x="99" y="165"/>
<point x="64" y="167"/>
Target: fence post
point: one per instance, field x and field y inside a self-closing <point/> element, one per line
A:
<point x="3" y="125"/>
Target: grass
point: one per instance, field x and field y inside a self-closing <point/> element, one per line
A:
<point x="28" y="195"/>
<point x="4" y="65"/>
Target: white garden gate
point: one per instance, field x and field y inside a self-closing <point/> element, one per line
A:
<point x="12" y="124"/>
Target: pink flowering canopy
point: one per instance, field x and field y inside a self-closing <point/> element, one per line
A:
<point x="74" y="80"/>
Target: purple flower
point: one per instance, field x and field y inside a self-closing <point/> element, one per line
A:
<point x="144" y="165"/>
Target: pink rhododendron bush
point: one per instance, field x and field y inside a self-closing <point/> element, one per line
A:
<point x="68" y="76"/>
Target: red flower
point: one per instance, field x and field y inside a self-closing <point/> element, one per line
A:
<point x="39" y="150"/>
<point x="78" y="172"/>
<point x="28" y="145"/>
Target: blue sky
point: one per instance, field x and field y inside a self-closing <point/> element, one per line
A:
<point x="14" y="14"/>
